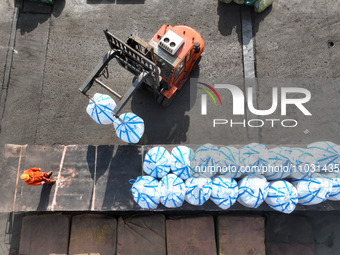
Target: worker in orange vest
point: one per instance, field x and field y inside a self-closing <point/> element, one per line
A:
<point x="35" y="177"/>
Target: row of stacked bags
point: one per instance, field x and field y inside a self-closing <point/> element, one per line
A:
<point x="282" y="177"/>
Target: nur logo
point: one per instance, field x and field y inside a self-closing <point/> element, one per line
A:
<point x="204" y="97"/>
<point x="289" y="96"/>
<point x="239" y="99"/>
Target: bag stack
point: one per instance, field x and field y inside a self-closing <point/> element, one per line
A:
<point x="282" y="177"/>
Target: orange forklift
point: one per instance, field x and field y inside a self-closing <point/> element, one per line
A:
<point x="163" y="65"/>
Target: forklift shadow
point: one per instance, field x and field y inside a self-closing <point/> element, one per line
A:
<point x="229" y="19"/>
<point x="259" y="18"/>
<point x="164" y="125"/>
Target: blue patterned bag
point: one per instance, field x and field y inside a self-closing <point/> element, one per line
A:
<point x="145" y="192"/>
<point x="282" y="196"/>
<point x="157" y="162"/>
<point x="172" y="191"/>
<point x="131" y="129"/>
<point x="198" y="190"/>
<point x="100" y="109"/>
<point x="253" y="190"/>
<point x="224" y="192"/>
<point x="205" y="161"/>
<point x="180" y="161"/>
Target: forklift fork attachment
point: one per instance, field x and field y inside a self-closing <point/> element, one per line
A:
<point x="108" y="88"/>
<point x="140" y="79"/>
<point x="87" y="84"/>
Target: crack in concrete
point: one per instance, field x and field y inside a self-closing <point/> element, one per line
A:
<point x="8" y="65"/>
<point x="43" y="78"/>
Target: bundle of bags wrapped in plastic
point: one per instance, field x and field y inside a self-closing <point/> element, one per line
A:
<point x="259" y="5"/>
<point x="281" y="177"/>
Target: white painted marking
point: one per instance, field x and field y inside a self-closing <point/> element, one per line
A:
<point x="17" y="181"/>
<point x="94" y="178"/>
<point x="249" y="67"/>
<point x="54" y="201"/>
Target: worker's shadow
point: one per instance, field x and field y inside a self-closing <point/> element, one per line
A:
<point x="164" y="125"/>
<point x="45" y="197"/>
<point x="230" y="18"/>
<point x="34" y="13"/>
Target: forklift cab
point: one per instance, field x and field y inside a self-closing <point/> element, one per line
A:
<point x="178" y="50"/>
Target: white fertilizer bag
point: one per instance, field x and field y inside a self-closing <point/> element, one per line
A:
<point x="205" y="161"/>
<point x="254" y="158"/>
<point x="180" y="161"/>
<point x="327" y="154"/>
<point x="224" y="192"/>
<point x="252" y="190"/>
<point x="198" y="190"/>
<point x="157" y="162"/>
<point x="335" y="180"/>
<point x="312" y="190"/>
<point x="282" y="196"/>
<point x="279" y="164"/>
<point x="229" y="162"/>
<point x="172" y="191"/>
<point x="145" y="192"/>
<point x="100" y="109"/>
<point x="304" y="164"/>
<point x="131" y="129"/>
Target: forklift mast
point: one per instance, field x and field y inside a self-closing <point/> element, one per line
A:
<point x="137" y="62"/>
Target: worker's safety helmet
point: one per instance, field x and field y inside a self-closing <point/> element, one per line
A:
<point x="24" y="177"/>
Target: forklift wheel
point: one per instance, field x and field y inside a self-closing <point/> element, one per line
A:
<point x="165" y="102"/>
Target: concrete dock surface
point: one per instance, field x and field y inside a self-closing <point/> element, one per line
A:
<point x="47" y="51"/>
